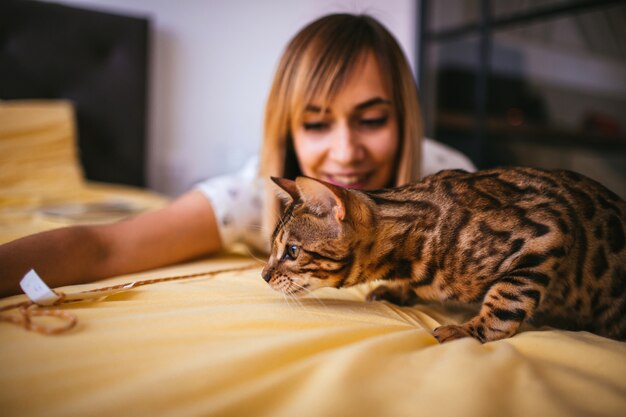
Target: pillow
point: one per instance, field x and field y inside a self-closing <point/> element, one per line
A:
<point x="38" y="153"/>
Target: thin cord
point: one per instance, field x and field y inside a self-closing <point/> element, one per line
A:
<point x="29" y="309"/>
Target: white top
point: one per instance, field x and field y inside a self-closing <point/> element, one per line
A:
<point x="237" y="199"/>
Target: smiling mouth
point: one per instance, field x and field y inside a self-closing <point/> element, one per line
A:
<point x="349" y="181"/>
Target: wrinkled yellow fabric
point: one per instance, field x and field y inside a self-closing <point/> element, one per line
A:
<point x="228" y="345"/>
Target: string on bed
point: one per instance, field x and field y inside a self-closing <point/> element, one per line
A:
<point x="27" y="310"/>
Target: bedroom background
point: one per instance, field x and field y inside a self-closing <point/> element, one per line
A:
<point x="211" y="64"/>
<point x="550" y="74"/>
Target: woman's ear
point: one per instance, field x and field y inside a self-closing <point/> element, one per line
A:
<point x="323" y="198"/>
<point x="288" y="191"/>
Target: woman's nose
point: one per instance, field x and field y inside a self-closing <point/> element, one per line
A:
<point x="345" y="148"/>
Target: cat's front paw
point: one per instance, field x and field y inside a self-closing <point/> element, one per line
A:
<point x="380" y="293"/>
<point x="394" y="295"/>
<point x="451" y="332"/>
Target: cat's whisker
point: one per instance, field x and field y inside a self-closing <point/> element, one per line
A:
<point x="309" y="293"/>
<point x="252" y="255"/>
<point x="286" y="299"/>
<point x="295" y="299"/>
<point x="256" y="227"/>
<point x="291" y="294"/>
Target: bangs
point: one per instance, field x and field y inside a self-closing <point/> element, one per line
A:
<point x="321" y="86"/>
<point x="325" y="64"/>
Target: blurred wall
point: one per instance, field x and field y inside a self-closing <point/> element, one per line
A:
<point x="212" y="63"/>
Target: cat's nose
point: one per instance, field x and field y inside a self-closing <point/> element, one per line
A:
<point x="267" y="276"/>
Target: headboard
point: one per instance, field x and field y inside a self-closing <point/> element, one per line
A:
<point x="98" y="61"/>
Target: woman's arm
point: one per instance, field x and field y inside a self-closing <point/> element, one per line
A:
<point x="184" y="229"/>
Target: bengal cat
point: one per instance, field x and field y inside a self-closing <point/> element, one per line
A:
<point x="524" y="243"/>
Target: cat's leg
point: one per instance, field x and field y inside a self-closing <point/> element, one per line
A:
<point x="507" y="303"/>
<point x="399" y="293"/>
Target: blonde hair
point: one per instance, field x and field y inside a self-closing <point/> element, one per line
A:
<point x="316" y="63"/>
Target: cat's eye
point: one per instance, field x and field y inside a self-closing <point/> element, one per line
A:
<point x="291" y="252"/>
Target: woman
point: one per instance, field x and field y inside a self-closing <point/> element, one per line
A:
<point x="342" y="108"/>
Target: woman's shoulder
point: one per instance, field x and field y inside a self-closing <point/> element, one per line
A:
<point x="237" y="201"/>
<point x="437" y="156"/>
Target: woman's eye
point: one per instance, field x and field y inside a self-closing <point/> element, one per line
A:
<point x="292" y="251"/>
<point x="316" y="126"/>
<point x="374" y="121"/>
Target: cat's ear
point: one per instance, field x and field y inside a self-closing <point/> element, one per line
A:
<point x="322" y="197"/>
<point x="288" y="190"/>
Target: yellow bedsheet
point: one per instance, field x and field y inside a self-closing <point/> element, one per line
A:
<point x="228" y="345"/>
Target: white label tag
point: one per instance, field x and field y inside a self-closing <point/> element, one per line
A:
<point x="37" y="290"/>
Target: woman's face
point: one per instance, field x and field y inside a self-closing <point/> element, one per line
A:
<point x="355" y="141"/>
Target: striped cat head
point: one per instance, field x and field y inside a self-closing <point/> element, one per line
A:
<point x="312" y="244"/>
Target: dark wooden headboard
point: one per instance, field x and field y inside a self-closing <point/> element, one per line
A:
<point x="98" y="61"/>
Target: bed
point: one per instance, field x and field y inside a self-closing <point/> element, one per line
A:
<point x="227" y="345"/>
